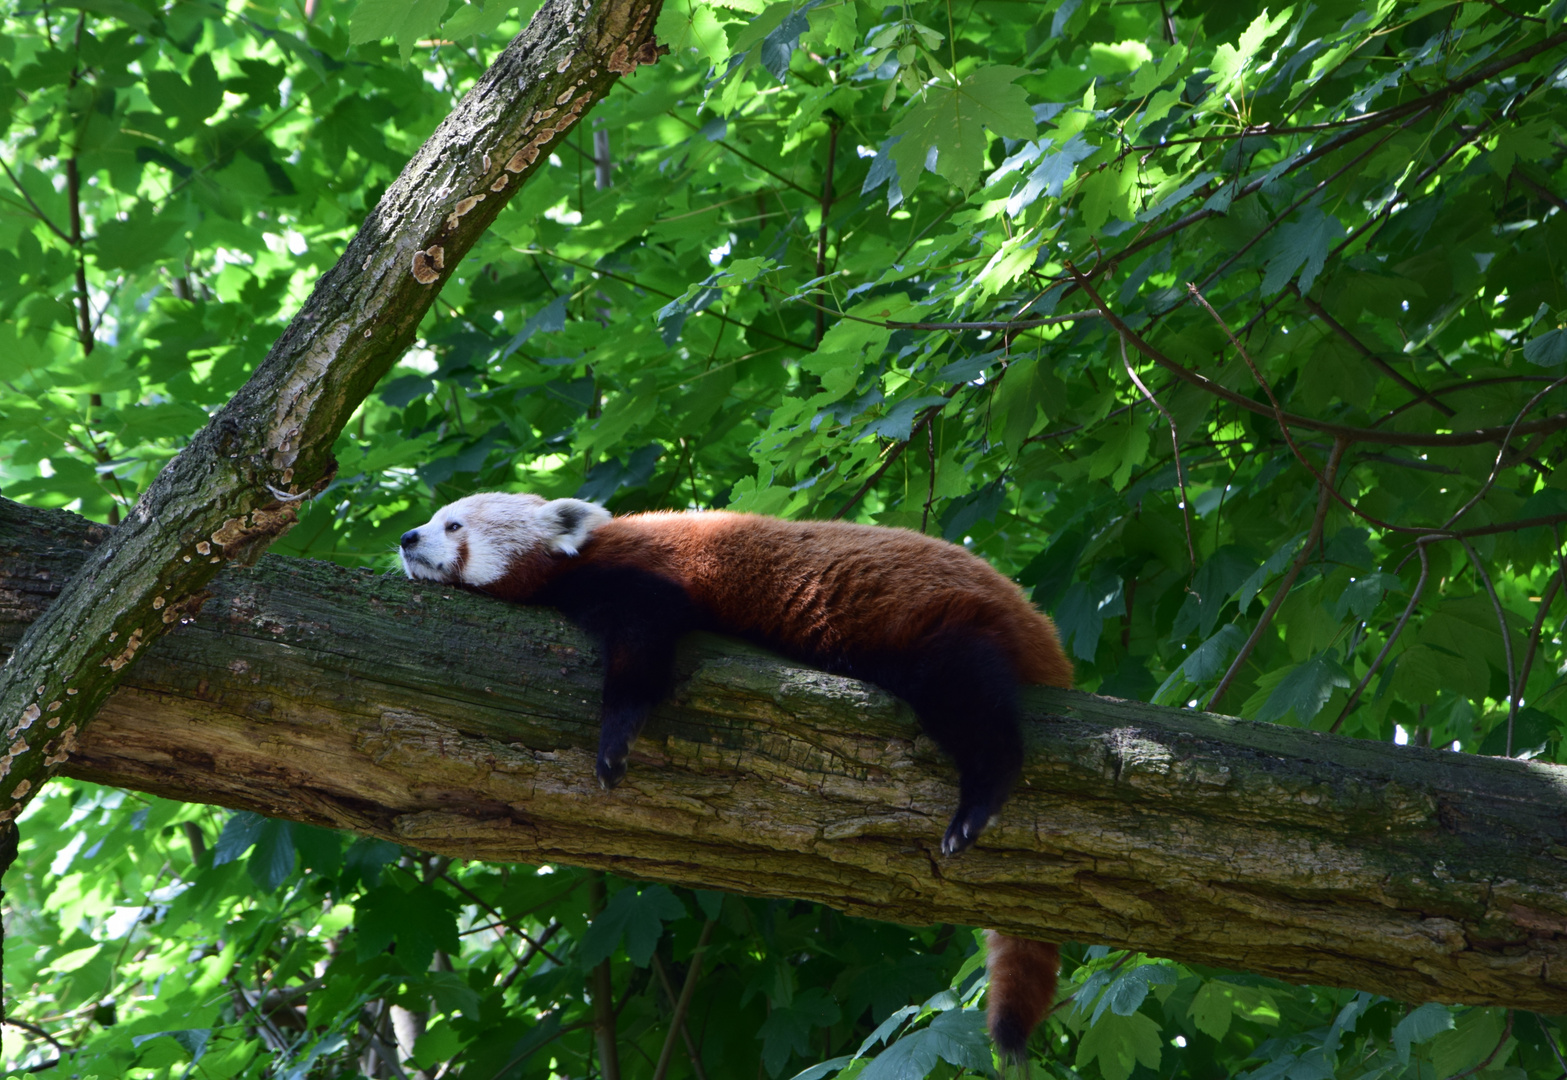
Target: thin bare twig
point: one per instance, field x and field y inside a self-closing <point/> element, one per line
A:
<point x="821" y="232"/>
<point x="498" y="917"/>
<point x="37" y="210"/>
<point x="1298" y="203"/>
<point x="1175" y="448"/>
<point x="999" y="326"/>
<point x="1354" y="434"/>
<point x="1550" y="1040"/>
<point x="1501" y="453"/>
<point x="1361" y="347"/>
<point x="1546" y="597"/>
<point x="1313" y="538"/>
<point x="602" y="990"/>
<point x="1507" y="639"/>
<point x="1398" y="628"/>
<point x="535" y="948"/>
<point x="1539" y="189"/>
<point x="1453" y="388"/>
<point x="677" y="1021"/>
<point x="896" y="452"/>
<point x="36" y="1030"/>
<point x="1507" y="1029"/>
<point x="1359" y="126"/>
<point x="930" y="491"/>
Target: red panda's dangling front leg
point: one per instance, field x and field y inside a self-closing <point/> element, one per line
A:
<point x="637" y="617"/>
<point x="964" y="690"/>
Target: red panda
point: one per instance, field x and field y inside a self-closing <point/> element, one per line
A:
<point x="922" y="618"/>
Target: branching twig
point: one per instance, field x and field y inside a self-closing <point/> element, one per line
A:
<point x="678" y="1020"/>
<point x="1313" y="538"/>
<point x="1361" y="347"/>
<point x="1398" y="628"/>
<point x="1175" y="449"/>
<point x="1501" y="453"/>
<point x="500" y="918"/>
<point x="535" y="948"/>
<point x="1298" y="203"/>
<point x="1353" y="434"/>
<point x="36" y="1030"/>
<point x="896" y="452"/>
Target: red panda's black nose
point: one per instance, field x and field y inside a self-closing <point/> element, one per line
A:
<point x="411" y="538"/>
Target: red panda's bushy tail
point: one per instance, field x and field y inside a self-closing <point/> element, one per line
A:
<point x="1022" y="989"/>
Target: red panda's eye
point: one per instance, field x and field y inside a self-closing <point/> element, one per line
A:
<point x="453" y="526"/>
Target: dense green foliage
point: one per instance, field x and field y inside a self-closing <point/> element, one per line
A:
<point x="789" y="298"/>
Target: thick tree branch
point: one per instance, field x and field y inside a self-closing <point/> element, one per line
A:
<point x="464" y="726"/>
<point x="235" y="487"/>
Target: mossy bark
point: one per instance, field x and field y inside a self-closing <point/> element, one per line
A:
<point x="461" y="725"/>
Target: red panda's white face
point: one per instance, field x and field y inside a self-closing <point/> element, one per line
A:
<point x="473" y="541"/>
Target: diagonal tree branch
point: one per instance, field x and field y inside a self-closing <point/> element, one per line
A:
<point x="234" y="489"/>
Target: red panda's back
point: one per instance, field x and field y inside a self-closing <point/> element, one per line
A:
<point x="822" y="589"/>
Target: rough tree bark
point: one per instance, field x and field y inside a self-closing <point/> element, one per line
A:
<point x="460" y="725"/>
<point x="234" y="488"/>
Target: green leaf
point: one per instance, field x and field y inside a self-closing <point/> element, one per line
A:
<point x="692" y="26"/>
<point x="1119" y="1043"/>
<point x="1124" y="448"/>
<point x="946" y="129"/>
<point x="1473" y="1038"/>
<point x="1548" y="350"/>
<point x="1108" y="193"/>
<point x="1230" y="61"/>
<point x="1052" y="174"/>
<point x="1205" y="664"/>
<point x="404" y="21"/>
<point x="477" y="20"/>
<point x="956" y="1036"/>
<point x="789" y="1029"/>
<point x="192" y="99"/>
<point x="1421" y="1025"/>
<point x="1301" y="245"/>
<point x="1216" y="1003"/>
<point x="239" y="833"/>
<point x="634" y="916"/>
<point x="131" y="14"/>
<point x="1305" y="690"/>
<point x="439" y="1044"/>
<point x="272" y="860"/>
<point x="419" y="920"/>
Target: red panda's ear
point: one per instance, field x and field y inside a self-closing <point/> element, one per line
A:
<point x="567" y="523"/>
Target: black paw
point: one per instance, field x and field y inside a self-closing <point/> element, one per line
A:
<point x="966" y="826"/>
<point x="610" y="772"/>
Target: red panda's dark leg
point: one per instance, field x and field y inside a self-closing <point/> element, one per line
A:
<point x="637" y="618"/>
<point x="964" y="690"/>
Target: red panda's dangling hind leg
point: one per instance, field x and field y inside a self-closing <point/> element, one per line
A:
<point x="964" y="690"/>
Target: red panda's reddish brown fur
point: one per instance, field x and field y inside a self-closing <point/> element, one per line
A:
<point x="1022" y="989"/>
<point x="808" y="584"/>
